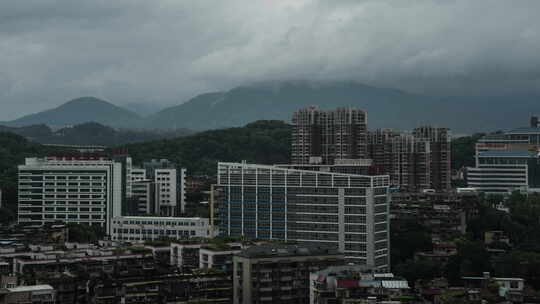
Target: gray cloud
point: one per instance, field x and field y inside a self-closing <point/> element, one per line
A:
<point x="166" y="51"/>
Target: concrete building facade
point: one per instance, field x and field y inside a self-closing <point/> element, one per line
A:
<point x="143" y="228"/>
<point x="85" y="190"/>
<point x="279" y="273"/>
<point x="507" y="162"/>
<point x="324" y="136"/>
<point x="345" y="211"/>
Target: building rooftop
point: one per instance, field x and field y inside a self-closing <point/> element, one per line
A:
<point x="287" y="250"/>
<point x="343" y="270"/>
<point x="233" y="165"/>
<point x="30" y="288"/>
<point x="507" y="153"/>
<point x="158" y="218"/>
<point x="524" y="130"/>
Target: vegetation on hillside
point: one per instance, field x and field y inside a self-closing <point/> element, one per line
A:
<point x="463" y="150"/>
<point x="521" y="258"/>
<point x="91" y="133"/>
<point x="13" y="150"/>
<point x="264" y="142"/>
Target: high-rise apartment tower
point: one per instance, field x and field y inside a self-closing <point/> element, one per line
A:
<point x="323" y="136"/>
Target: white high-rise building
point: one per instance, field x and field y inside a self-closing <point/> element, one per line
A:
<point x="158" y="188"/>
<point x="85" y="190"/>
<point x="349" y="212"/>
<point x="165" y="191"/>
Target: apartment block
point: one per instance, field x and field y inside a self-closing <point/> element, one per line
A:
<point x="217" y="257"/>
<point x="143" y="228"/>
<point x="279" y="273"/>
<point x="406" y="158"/>
<point x="85" y="190"/>
<point x="440" y="148"/>
<point x="323" y="136"/>
<point x="352" y="284"/>
<point x="348" y="212"/>
<point x="157" y="188"/>
<point x="35" y="294"/>
<point x="165" y="287"/>
<point x="185" y="255"/>
<point x="416" y="160"/>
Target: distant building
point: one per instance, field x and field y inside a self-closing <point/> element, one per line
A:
<point x="507" y="162"/>
<point x="510" y="288"/>
<point x="217" y="257"/>
<point x="34" y="294"/>
<point x="85" y="190"/>
<point x="321" y="136"/>
<point x="158" y="188"/>
<point x="185" y="255"/>
<point x="415" y="161"/>
<point x="345" y="211"/>
<point x="350" y="284"/>
<point x="404" y="157"/>
<point x="143" y="228"/>
<point x="199" y="286"/>
<point x="279" y="273"/>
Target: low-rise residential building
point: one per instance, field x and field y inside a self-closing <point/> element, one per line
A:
<point x="185" y="255"/>
<point x="143" y="228"/>
<point x="279" y="273"/>
<point x="217" y="257"/>
<point x="350" y="284"/>
<point x="36" y="294"/>
<point x="509" y="288"/>
<point x="441" y="253"/>
<point x="163" y="287"/>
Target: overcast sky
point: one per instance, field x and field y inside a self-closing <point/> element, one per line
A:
<point x="166" y="51"/>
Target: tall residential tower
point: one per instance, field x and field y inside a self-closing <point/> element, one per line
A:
<point x="323" y="136"/>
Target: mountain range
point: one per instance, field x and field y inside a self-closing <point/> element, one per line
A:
<point x="387" y="108"/>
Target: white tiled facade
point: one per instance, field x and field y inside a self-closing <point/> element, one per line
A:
<point x="77" y="190"/>
<point x="165" y="191"/>
<point x="142" y="228"/>
<point x="347" y="211"/>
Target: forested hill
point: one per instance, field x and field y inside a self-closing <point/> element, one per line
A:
<point x="13" y="150"/>
<point x="264" y="142"/>
<point x="91" y="133"/>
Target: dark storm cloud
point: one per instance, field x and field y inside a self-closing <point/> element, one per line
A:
<point x="168" y="50"/>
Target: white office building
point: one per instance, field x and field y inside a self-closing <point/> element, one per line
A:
<point x="165" y="191"/>
<point x="347" y="211"/>
<point x="142" y="228"/>
<point x="157" y="188"/>
<point x="507" y="161"/>
<point x="85" y="190"/>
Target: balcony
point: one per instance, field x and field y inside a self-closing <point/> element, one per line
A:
<point x="286" y="279"/>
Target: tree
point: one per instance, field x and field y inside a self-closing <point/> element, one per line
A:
<point x="81" y="233"/>
<point x="421" y="269"/>
<point x="471" y="259"/>
<point x="7" y="216"/>
<point x="408" y="237"/>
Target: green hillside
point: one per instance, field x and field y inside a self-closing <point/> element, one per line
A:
<point x="265" y="142"/>
<point x="13" y="150"/>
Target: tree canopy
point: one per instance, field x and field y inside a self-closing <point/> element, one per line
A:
<point x="265" y="142"/>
